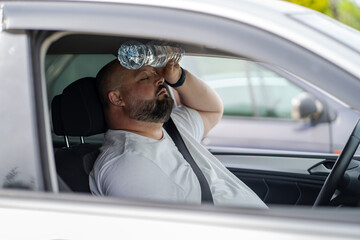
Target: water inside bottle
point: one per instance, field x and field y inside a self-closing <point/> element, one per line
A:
<point x="134" y="55"/>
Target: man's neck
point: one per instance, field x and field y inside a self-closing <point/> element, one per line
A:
<point x="147" y="129"/>
<point x="150" y="130"/>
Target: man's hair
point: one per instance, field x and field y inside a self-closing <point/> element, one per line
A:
<point x="103" y="82"/>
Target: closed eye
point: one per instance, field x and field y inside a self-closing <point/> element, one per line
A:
<point x="146" y="75"/>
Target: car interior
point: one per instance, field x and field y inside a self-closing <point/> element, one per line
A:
<point x="78" y="124"/>
<point x="77" y="112"/>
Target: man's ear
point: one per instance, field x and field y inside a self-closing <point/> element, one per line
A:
<point x="115" y="98"/>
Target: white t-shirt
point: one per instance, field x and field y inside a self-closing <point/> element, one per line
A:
<point x="132" y="166"/>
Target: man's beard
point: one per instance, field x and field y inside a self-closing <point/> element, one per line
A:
<point x="155" y="110"/>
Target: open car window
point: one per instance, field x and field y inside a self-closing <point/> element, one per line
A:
<point x="247" y="88"/>
<point x="254" y="97"/>
<point x="63" y="69"/>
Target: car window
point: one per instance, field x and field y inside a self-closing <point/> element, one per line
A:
<point x="61" y="70"/>
<point x="255" y="96"/>
<point x="272" y="92"/>
<point x="247" y="88"/>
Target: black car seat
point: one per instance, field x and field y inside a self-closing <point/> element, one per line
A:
<point x="77" y="112"/>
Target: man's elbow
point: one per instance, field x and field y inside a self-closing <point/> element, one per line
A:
<point x="220" y="111"/>
<point x="218" y="117"/>
<point x="211" y="119"/>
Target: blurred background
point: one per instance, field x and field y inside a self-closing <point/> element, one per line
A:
<point x="345" y="11"/>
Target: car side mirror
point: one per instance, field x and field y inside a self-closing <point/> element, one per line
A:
<point x="306" y="106"/>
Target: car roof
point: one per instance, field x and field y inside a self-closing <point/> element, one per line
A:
<point x="287" y="20"/>
<point x="276" y="19"/>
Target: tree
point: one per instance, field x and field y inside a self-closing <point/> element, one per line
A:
<point x="349" y="13"/>
<point x="345" y="11"/>
<point x="322" y="6"/>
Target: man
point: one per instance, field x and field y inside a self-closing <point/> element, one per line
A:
<point x="139" y="160"/>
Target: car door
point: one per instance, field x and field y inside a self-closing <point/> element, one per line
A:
<point x="258" y="106"/>
<point x="285" y="179"/>
<point x="26" y="135"/>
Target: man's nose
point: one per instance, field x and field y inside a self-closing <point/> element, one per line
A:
<point x="159" y="80"/>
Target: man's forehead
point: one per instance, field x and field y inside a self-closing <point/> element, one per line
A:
<point x="137" y="72"/>
<point x="142" y="69"/>
<point x="145" y="69"/>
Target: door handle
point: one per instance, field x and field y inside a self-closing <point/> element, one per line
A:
<point x="319" y="169"/>
<point x="324" y="168"/>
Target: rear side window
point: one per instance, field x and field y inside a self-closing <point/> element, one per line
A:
<point x="61" y="70"/>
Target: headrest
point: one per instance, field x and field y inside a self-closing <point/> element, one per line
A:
<point x="78" y="111"/>
<point x="56" y="115"/>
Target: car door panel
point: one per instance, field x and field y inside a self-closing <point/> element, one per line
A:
<point x="276" y="188"/>
<point x="278" y="179"/>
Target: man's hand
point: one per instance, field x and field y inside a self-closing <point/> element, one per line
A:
<point x="171" y="72"/>
<point x="195" y="94"/>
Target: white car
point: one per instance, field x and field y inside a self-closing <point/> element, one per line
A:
<point x="44" y="192"/>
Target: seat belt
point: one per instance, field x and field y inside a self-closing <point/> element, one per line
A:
<point x="171" y="129"/>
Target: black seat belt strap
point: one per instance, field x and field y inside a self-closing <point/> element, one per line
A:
<point x="174" y="133"/>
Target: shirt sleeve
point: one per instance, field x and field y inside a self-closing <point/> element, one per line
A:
<point x="136" y="177"/>
<point x="189" y="120"/>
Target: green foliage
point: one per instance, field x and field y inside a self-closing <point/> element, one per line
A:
<point x="345" y="11"/>
<point x="349" y="13"/>
<point x="318" y="5"/>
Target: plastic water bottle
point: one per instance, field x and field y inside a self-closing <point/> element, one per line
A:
<point x="134" y="55"/>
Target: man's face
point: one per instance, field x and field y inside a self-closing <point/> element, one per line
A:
<point x="145" y="95"/>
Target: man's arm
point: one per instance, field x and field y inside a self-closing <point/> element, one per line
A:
<point x="197" y="95"/>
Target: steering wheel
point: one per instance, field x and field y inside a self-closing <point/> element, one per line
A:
<point x="340" y="166"/>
